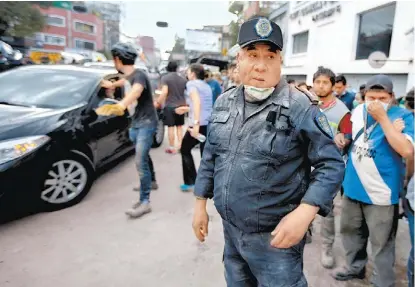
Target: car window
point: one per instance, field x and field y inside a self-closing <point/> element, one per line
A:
<point x="46" y="88"/>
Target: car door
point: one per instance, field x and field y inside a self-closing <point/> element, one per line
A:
<point x="110" y="133"/>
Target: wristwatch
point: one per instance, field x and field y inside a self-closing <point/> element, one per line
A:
<point x="196" y="123"/>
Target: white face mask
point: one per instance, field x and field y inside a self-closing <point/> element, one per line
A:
<point x="385" y="105"/>
<point x="258" y="94"/>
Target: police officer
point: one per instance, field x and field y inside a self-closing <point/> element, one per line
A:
<point x="264" y="136"/>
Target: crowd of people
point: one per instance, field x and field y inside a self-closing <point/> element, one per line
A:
<point x="275" y="154"/>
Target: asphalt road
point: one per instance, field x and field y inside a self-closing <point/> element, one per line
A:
<point x="94" y="244"/>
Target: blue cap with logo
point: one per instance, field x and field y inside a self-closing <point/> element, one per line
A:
<point x="260" y="30"/>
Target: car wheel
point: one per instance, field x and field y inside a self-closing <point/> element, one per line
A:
<point x="67" y="182"/>
<point x="159" y="135"/>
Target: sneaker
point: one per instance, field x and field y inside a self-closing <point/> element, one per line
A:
<point x="154" y="186"/>
<point x="136" y="204"/>
<point x="327" y="258"/>
<point x="186" y="188"/>
<point x="140" y="210"/>
<point x="345" y="275"/>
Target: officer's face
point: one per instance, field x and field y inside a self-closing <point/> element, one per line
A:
<point x="322" y="86"/>
<point x="259" y="66"/>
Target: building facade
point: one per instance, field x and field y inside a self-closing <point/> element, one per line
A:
<point x="110" y="13"/>
<point x="68" y="28"/>
<point x="341" y="35"/>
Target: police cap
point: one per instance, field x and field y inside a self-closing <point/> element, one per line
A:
<point x="260" y="30"/>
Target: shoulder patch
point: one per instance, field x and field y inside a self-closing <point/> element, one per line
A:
<point x="313" y="99"/>
<point x="323" y="124"/>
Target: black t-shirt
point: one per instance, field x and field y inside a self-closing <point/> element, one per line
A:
<point x="176" y="86"/>
<point x="145" y="114"/>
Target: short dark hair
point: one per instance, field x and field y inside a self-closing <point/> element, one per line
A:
<point x="341" y="78"/>
<point x="321" y="71"/>
<point x="198" y="70"/>
<point x="172" y="66"/>
<point x="125" y="61"/>
<point x="291" y="81"/>
<point x="362" y="87"/>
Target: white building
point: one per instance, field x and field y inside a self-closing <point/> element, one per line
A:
<point x="340" y="35"/>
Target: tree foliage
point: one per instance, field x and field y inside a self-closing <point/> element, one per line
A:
<point x="178" y="46"/>
<point x="233" y="31"/>
<point x="21" y="19"/>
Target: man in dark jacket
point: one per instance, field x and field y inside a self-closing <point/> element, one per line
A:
<point x="264" y="136"/>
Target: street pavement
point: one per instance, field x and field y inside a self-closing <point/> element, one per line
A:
<point x="94" y="244"/>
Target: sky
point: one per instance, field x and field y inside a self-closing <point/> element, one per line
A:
<point x="140" y="18"/>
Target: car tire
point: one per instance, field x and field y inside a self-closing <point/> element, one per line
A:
<point x="66" y="182"/>
<point x="159" y="135"/>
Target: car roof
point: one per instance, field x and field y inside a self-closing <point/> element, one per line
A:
<point x="71" y="68"/>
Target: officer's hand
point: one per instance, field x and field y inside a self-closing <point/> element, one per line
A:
<point x="200" y="220"/>
<point x="111" y="109"/>
<point x="293" y="227"/>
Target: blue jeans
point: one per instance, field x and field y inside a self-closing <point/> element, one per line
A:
<point x="250" y="261"/>
<point x="143" y="139"/>
<point x="410" y="272"/>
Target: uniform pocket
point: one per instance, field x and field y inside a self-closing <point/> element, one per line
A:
<point x="255" y="169"/>
<point x="219" y="131"/>
<point x="272" y="142"/>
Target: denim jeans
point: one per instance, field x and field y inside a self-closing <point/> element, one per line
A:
<point x="410" y="272"/>
<point x="250" y="260"/>
<point x="143" y="139"/>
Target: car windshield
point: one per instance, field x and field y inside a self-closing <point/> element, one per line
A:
<point x="45" y="88"/>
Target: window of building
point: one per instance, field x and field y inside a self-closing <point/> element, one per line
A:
<point x="54" y="20"/>
<point x="84" y="27"/>
<point x="54" y="40"/>
<point x="375" y="31"/>
<point x="300" y="43"/>
<point x="83" y="44"/>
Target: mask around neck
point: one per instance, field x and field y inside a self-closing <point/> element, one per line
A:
<point x="258" y="94"/>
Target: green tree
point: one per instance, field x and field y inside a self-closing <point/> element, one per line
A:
<point x="106" y="53"/>
<point x="233" y="31"/>
<point x="178" y="46"/>
<point x="21" y="19"/>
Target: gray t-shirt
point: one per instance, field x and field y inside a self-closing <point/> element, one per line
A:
<point x="145" y="115"/>
<point x="176" y="86"/>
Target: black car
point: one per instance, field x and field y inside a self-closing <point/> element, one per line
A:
<point x="51" y="140"/>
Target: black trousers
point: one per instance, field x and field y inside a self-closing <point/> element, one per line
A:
<point x="188" y="165"/>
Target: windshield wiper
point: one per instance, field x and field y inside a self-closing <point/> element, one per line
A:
<point x="14" y="104"/>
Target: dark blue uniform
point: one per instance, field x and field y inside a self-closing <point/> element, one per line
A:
<point x="257" y="171"/>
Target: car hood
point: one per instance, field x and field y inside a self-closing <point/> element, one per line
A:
<point x="17" y="121"/>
